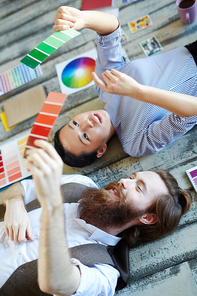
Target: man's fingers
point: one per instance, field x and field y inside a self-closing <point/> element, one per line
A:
<point x="49" y="149"/>
<point x="22" y="234"/>
<point x="15" y="231"/>
<point x="29" y="232"/>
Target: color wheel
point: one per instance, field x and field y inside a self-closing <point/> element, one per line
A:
<point x="78" y="72"/>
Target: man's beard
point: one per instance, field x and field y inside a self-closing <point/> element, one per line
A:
<point x="102" y="209"/>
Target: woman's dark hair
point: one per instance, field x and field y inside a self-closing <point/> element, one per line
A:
<point x="168" y="208"/>
<point x="70" y="159"/>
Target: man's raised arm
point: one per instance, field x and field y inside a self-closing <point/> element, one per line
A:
<point x="56" y="274"/>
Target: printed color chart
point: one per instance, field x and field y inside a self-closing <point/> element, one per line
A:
<point x="47" y="47"/>
<point x="12" y="163"/>
<point x="192" y="175"/>
<point x="17" y="76"/>
<point x="46" y="118"/>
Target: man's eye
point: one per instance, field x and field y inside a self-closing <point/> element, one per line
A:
<point x="75" y="123"/>
<point x="86" y="136"/>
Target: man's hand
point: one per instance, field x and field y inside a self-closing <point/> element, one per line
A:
<point x="16" y="221"/>
<point x="46" y="167"/>
<point x="68" y="17"/>
<point x="117" y="83"/>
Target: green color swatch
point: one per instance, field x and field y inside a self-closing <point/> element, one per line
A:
<point x="28" y="61"/>
<point x="62" y="36"/>
<point x="47" y="47"/>
<point x="38" y="55"/>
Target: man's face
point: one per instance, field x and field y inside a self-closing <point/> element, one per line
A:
<point x="86" y="132"/>
<point x="142" y="189"/>
<point x="122" y="202"/>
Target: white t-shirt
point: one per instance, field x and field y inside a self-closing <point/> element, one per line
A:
<point x="100" y="279"/>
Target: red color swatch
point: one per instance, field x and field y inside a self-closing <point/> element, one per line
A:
<point x="46" y="118"/>
<point x="94" y="4"/>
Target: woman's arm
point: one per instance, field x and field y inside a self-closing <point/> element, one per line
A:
<point x="68" y="17"/>
<point x="118" y="83"/>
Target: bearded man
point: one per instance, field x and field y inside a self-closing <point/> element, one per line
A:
<point x="142" y="207"/>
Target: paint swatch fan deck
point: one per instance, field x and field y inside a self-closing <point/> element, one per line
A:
<point x="17" y="76"/>
<point x="47" y="47"/>
<point x="12" y="163"/>
<point x="46" y="118"/>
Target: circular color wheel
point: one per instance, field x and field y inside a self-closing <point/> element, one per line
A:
<point x="78" y="72"/>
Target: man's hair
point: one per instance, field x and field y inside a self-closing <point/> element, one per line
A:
<point x="168" y="208"/>
<point x="70" y="159"/>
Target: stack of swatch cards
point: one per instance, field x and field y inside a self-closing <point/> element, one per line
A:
<point x="192" y="175"/>
<point x="17" y="76"/>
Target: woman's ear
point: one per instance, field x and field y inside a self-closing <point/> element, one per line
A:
<point x="148" y="218"/>
<point x="101" y="151"/>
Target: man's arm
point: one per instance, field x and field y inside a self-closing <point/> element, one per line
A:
<point x="16" y="220"/>
<point x="118" y="83"/>
<point x="56" y="274"/>
<point x="68" y="17"/>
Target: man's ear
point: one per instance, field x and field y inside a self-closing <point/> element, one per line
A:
<point x="148" y="218"/>
<point x="101" y="151"/>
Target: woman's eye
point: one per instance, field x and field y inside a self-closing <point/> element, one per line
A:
<point x="75" y="123"/>
<point x="86" y="136"/>
<point x="139" y="188"/>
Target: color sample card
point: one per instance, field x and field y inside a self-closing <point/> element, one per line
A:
<point x="12" y="163"/>
<point x="151" y="46"/>
<point x="46" y="118"/>
<point x="47" y="47"/>
<point x="17" y="76"/>
<point x="139" y="24"/>
<point x="192" y="175"/>
<point x="124" y="37"/>
<point x="5" y="123"/>
<point x="94" y="4"/>
<point x="126" y="1"/>
<point x="75" y="74"/>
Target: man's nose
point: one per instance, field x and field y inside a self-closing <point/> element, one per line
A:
<point x="122" y="183"/>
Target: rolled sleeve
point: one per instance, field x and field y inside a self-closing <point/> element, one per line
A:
<point x="109" y="53"/>
<point x="101" y="279"/>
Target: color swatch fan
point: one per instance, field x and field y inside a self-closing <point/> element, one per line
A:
<point x="12" y="163"/>
<point x="75" y="74"/>
<point x="46" y="118"/>
<point x="47" y="47"/>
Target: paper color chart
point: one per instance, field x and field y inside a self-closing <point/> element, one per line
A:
<point x="192" y="175"/>
<point x="17" y="76"/>
<point x="47" y="47"/>
<point x="12" y="163"/>
<point x="46" y="118"/>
